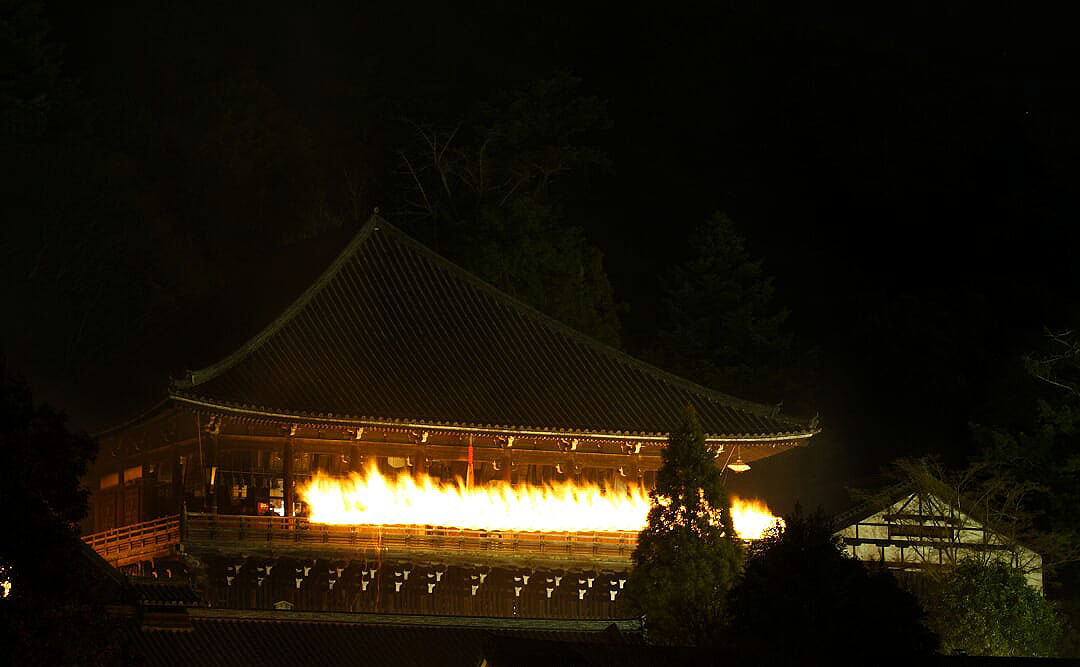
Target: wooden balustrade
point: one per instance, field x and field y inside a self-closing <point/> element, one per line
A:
<point x="138" y="541"/>
<point x="128" y="543"/>
<point x="222" y="529"/>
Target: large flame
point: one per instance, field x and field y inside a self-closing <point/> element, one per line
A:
<point x="752" y="518"/>
<point x="557" y="507"/>
<point x="372" y="498"/>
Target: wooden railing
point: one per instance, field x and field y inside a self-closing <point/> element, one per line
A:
<point x="297" y="531"/>
<point x="137" y="541"/>
<point x="143" y="539"/>
<point x="284" y="531"/>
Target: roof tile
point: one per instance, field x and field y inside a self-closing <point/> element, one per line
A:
<point x="395" y="332"/>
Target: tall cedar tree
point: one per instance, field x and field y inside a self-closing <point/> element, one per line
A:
<point x="76" y="263"/>
<point x="493" y="194"/>
<point x="687" y="556"/>
<point x="723" y="326"/>
<point x="800" y="598"/>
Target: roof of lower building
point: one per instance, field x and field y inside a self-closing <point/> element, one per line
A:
<point x="393" y="333"/>
<point x="155" y="593"/>
<point x="230" y="637"/>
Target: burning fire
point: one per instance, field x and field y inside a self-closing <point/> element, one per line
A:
<point x="752" y="518"/>
<point x="559" y="507"/>
<point x="372" y="498"/>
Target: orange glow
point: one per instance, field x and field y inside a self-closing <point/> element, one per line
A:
<point x="372" y="498"/>
<point x="557" y="507"/>
<point x="752" y="518"/>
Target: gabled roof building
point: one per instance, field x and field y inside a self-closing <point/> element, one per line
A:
<point x="915" y="531"/>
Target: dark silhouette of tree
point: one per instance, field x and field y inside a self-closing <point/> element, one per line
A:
<point x="73" y="255"/>
<point x="1034" y="442"/>
<point x="1042" y="446"/>
<point x="490" y="195"/>
<point x="800" y="600"/>
<point x="53" y="612"/>
<point x="723" y="326"/>
<point x="687" y="557"/>
<point x="987" y="608"/>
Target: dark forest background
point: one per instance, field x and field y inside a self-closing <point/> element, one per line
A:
<point x="897" y="192"/>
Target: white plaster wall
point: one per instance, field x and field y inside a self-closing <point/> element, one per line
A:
<point x="970" y="533"/>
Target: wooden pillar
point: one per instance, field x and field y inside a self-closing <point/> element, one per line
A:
<point x="421" y="463"/>
<point x="179" y="476"/>
<point x="507" y="464"/>
<point x="356" y="459"/>
<point x="211" y="466"/>
<point x="469" y="470"/>
<point x="287" y="472"/>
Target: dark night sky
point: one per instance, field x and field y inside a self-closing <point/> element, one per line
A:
<point x="907" y="175"/>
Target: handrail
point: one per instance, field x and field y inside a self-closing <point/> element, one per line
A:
<point x="144" y="528"/>
<point x="408" y="537"/>
<point x="129" y="541"/>
<point x="160" y="533"/>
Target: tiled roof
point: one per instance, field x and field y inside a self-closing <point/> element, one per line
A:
<point x="165" y="593"/>
<point x="506" y="651"/>
<point x="881" y="499"/>
<point x="268" y="639"/>
<point x="392" y="332"/>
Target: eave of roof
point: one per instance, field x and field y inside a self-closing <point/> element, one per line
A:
<point x="348" y="421"/>
<point x="589" y="625"/>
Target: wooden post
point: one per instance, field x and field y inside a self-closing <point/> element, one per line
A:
<point x="179" y="488"/>
<point x="469" y="472"/>
<point x="211" y="464"/>
<point x="421" y="464"/>
<point x="355" y="459"/>
<point x="287" y="472"/>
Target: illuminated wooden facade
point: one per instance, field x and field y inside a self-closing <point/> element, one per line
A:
<point x="916" y="532"/>
<point x="398" y="359"/>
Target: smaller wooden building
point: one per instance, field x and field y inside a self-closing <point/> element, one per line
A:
<point x="913" y="531"/>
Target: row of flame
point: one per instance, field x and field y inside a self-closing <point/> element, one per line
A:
<point x="373" y="498"/>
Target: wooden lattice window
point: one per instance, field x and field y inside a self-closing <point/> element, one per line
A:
<point x="915" y="530"/>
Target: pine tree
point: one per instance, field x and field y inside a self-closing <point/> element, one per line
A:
<point x="723" y="326"/>
<point x="987" y="608"/>
<point x="494" y="196"/>
<point x="687" y="557"/>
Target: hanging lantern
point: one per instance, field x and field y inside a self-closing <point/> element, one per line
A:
<point x="738" y="465"/>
